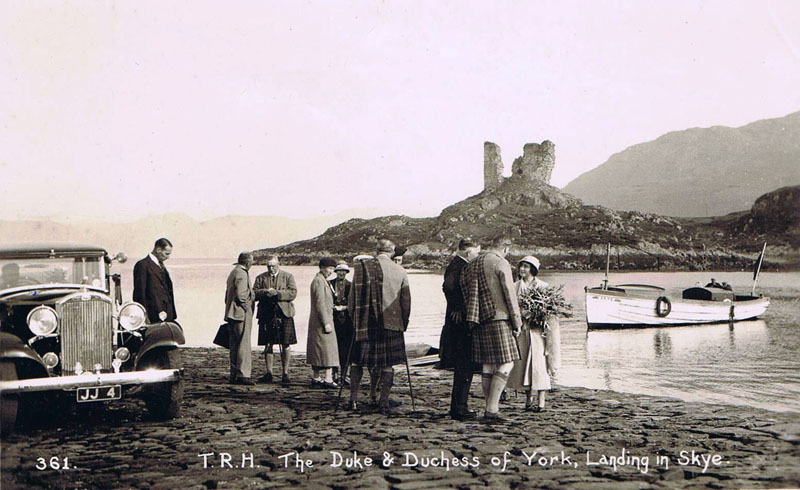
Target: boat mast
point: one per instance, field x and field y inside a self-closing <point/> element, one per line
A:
<point x="759" y="261"/>
<point x="608" y="260"/>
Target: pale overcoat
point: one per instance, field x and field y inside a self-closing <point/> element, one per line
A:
<point x="322" y="348"/>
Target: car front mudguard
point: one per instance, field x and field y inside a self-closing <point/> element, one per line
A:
<point x="28" y="362"/>
<point x="165" y="335"/>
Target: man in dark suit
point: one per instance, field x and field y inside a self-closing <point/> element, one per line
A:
<point x="152" y="286"/>
<point x="456" y="342"/>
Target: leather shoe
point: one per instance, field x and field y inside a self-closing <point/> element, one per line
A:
<point x="285" y="379"/>
<point x="468" y="415"/>
<point x="267" y="378"/>
<point x="392" y="403"/>
<point x="493" y="418"/>
<point x="244" y="382"/>
<point x="388" y="411"/>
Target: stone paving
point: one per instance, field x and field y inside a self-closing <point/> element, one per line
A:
<point x="274" y="436"/>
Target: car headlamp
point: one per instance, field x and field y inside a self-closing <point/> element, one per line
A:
<point x="42" y="320"/>
<point x="131" y="316"/>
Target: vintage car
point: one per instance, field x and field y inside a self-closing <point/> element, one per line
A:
<point x="65" y="333"/>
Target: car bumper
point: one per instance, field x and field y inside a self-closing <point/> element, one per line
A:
<point x="89" y="380"/>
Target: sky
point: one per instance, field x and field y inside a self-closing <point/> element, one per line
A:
<point x="118" y="110"/>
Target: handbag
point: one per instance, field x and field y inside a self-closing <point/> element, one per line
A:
<point x="222" y="338"/>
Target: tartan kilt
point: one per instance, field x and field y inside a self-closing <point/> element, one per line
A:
<point x="278" y="330"/>
<point x="493" y="343"/>
<point x="387" y="351"/>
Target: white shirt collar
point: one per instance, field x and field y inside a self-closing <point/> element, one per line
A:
<point x="154" y="259"/>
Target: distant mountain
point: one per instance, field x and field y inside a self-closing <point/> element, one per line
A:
<point x="698" y="172"/>
<point x="215" y="238"/>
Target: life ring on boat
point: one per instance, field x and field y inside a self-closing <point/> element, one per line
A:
<point x="663" y="306"/>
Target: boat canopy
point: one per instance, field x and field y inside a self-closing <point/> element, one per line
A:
<point x="708" y="294"/>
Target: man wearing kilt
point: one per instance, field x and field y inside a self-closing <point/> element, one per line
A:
<point x="492" y="309"/>
<point x="380" y="305"/>
<point x="455" y="343"/>
<point x="275" y="291"/>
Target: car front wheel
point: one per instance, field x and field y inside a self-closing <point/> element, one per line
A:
<point x="9" y="404"/>
<point x="164" y="400"/>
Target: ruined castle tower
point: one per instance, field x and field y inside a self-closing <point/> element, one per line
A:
<point x="535" y="164"/>
<point x="492" y="166"/>
<point x="537" y="161"/>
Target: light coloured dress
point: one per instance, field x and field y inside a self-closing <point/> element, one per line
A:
<point x="531" y="370"/>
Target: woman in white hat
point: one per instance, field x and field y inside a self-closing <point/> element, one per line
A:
<point x="530" y="372"/>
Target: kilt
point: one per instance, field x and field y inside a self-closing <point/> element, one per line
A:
<point x="387" y="351"/>
<point x="493" y="343"/>
<point x="277" y="330"/>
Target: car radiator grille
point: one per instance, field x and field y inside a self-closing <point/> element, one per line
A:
<point x="87" y="333"/>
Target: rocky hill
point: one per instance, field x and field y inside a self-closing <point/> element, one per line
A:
<point x="565" y="233"/>
<point x="698" y="172"/>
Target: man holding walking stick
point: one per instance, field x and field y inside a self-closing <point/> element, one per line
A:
<point x="380" y="305"/>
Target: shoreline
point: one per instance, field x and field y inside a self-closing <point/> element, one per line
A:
<point x="436" y="267"/>
<point x="600" y="433"/>
<point x="430" y="370"/>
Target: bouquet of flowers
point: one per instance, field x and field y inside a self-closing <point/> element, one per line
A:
<point x="544" y="301"/>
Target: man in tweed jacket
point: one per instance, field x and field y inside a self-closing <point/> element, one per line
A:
<point x="493" y="311"/>
<point x="380" y="305"/>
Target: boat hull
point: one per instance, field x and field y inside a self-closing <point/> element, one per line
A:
<point x="622" y="309"/>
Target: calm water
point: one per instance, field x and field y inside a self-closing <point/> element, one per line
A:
<point x="754" y="363"/>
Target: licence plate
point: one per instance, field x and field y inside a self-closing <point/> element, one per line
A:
<point x="99" y="393"/>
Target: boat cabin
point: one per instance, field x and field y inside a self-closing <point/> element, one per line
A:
<point x="708" y="294"/>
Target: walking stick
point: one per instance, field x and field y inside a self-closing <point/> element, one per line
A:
<point x="410" y="390"/>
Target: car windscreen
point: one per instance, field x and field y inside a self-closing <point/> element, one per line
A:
<point x="58" y="270"/>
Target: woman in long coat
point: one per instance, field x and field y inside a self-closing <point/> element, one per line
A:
<point x="530" y="373"/>
<point x="321" y="350"/>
